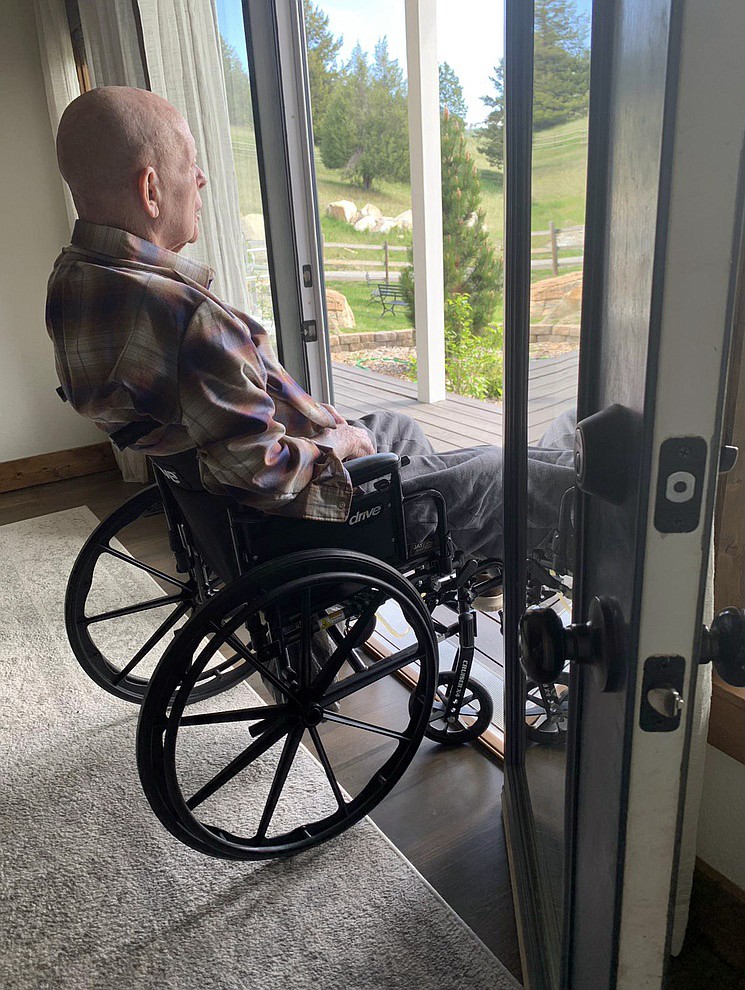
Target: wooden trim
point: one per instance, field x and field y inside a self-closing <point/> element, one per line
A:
<point x="720" y="880"/>
<point x="727" y="719"/>
<point x="43" y="468"/>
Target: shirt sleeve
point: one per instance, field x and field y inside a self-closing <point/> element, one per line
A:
<point x="242" y="448"/>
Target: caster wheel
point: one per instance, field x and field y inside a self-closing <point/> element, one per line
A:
<point x="546" y="712"/>
<point x="474" y="717"/>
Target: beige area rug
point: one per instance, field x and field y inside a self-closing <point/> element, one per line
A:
<point x="95" y="893"/>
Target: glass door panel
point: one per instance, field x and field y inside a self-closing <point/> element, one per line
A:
<point x="558" y="179"/>
<point x="243" y="138"/>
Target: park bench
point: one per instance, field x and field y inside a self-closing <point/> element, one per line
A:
<point x="390" y="297"/>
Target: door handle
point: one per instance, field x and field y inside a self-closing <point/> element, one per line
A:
<point x="723" y="644"/>
<point x="546" y="645"/>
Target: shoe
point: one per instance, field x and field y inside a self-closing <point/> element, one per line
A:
<point x="489" y="603"/>
<point x="487" y="587"/>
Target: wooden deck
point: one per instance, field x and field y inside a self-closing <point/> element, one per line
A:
<point x="459" y="421"/>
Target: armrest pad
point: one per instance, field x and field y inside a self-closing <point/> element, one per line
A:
<point x="363" y="469"/>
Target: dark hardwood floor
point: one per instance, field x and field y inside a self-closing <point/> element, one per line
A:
<point x="445" y="814"/>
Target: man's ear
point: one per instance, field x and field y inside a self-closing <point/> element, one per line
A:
<point x="148" y="189"/>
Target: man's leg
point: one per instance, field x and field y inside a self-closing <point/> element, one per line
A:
<point x="471" y="481"/>
<point x="397" y="432"/>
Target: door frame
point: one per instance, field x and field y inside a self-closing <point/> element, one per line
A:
<point x="280" y="97"/>
<point x="665" y="63"/>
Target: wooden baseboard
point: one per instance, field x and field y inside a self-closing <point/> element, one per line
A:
<point x="720" y="880"/>
<point x="43" y="468"/>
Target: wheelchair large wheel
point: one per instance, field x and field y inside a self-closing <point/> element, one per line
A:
<point x="121" y="611"/>
<point x="230" y="777"/>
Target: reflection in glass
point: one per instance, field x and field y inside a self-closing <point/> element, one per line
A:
<point x="561" y="97"/>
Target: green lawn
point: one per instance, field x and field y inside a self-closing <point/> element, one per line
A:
<point x="559" y="175"/>
<point x="367" y="313"/>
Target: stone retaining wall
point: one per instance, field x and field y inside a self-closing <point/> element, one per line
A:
<point x="371" y="341"/>
<point x="555" y="305"/>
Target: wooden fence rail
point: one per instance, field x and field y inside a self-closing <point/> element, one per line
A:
<point x="384" y="265"/>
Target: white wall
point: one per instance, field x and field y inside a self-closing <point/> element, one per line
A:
<point x="721" y="824"/>
<point x="34" y="226"/>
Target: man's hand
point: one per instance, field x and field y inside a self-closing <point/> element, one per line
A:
<point x="346" y="441"/>
<point x="338" y="418"/>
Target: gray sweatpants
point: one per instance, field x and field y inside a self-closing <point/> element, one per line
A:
<point x="471" y="480"/>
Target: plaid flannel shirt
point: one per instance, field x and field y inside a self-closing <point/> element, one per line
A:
<point x="137" y="333"/>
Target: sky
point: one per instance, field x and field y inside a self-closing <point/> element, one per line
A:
<point x="470" y="35"/>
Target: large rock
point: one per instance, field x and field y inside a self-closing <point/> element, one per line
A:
<point x="339" y="312"/>
<point x="342" y="209"/>
<point x="371" y="210"/>
<point x="405" y="220"/>
<point x="252" y="225"/>
<point x="384" y="225"/>
<point x="556" y="300"/>
<point x="365" y="223"/>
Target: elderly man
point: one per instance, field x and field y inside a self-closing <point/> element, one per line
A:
<point x="138" y="334"/>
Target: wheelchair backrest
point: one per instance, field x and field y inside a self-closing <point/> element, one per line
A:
<point x="206" y="515"/>
<point x="220" y="526"/>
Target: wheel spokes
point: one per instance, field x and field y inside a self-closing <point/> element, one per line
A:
<point x="152" y="571"/>
<point x="260" y="713"/>
<point x="260" y="667"/>
<point x="132" y="609"/>
<point x="147" y="646"/>
<point x="375" y="673"/>
<point x="326" y="763"/>
<point x="352" y="639"/>
<point x="367" y="726"/>
<point x="289" y="750"/>
<point x="259" y="746"/>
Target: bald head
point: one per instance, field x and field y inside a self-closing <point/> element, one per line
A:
<point x="129" y="159"/>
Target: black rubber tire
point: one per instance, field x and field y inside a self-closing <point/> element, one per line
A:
<point x="258" y="592"/>
<point x="455" y="734"/>
<point x="96" y="665"/>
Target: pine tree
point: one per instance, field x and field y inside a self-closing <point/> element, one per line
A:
<point x="561" y="75"/>
<point x="471" y="265"/>
<point x="451" y="92"/>
<point x="322" y="51"/>
<point x="365" y="130"/>
<point x="492" y="135"/>
<point x="237" y="87"/>
<point x="561" y="79"/>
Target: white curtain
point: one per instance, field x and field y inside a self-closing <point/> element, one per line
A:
<point x="58" y="67"/>
<point x="111" y="43"/>
<point x="184" y="61"/>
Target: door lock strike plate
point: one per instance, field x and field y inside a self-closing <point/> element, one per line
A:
<point x="680" y="484"/>
<point x="307" y="277"/>
<point x="662" y="694"/>
<point x="309" y="331"/>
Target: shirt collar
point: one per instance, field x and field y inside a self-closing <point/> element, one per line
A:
<point x="121" y="244"/>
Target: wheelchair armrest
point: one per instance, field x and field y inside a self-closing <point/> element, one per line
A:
<point x="363" y="469"/>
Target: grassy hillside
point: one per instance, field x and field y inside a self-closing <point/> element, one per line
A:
<point x="559" y="173"/>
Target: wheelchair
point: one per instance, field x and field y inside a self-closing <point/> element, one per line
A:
<point x="236" y="593"/>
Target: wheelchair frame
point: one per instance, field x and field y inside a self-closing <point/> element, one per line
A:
<point x="372" y="544"/>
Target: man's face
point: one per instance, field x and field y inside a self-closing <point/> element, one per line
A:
<point x="181" y="199"/>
